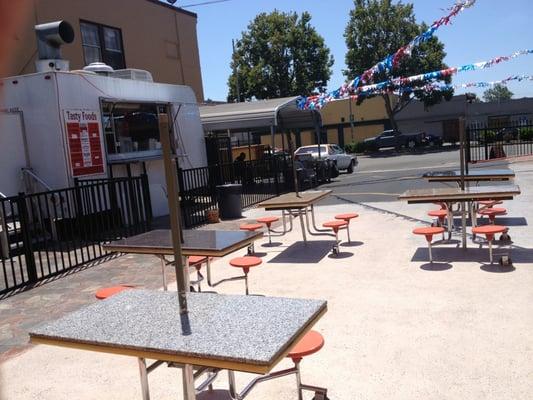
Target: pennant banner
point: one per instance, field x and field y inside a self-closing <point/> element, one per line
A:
<point x="316" y="102"/>
<point x="392" y="60"/>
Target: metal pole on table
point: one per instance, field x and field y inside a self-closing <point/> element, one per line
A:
<point x="462" y="162"/>
<point x="171" y="170"/>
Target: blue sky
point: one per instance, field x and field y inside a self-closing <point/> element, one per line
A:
<point x="490" y="28"/>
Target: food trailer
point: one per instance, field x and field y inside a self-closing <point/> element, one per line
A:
<point x="62" y="125"/>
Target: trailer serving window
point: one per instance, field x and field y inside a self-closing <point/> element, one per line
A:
<point x="131" y="131"/>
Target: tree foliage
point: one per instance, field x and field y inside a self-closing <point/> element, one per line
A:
<point x="497" y="93"/>
<point x="280" y="54"/>
<point x="378" y="28"/>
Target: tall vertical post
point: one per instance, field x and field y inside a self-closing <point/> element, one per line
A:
<point x="171" y="168"/>
<point x="351" y="121"/>
<point x="236" y="73"/>
<point x="462" y="150"/>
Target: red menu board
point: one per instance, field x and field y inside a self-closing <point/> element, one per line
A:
<point x="84" y="144"/>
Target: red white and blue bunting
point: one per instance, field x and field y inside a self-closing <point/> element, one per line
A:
<point x="386" y="65"/>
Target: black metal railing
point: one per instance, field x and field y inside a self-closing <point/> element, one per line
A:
<point x="487" y="142"/>
<point x="260" y="179"/>
<point x="48" y="233"/>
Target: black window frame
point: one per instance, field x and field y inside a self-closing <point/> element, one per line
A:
<point x="101" y="40"/>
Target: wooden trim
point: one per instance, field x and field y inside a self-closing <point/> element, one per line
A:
<point x="160" y="356"/>
<point x="167" y="251"/>
<point x="273" y="205"/>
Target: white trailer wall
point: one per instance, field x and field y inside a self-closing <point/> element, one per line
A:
<point x="12" y="152"/>
<point x="44" y="97"/>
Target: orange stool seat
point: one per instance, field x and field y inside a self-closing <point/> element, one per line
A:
<point x="489" y="203"/>
<point x="309" y="344"/>
<point x="335" y="225"/>
<point x="104" y="293"/>
<point x="250" y="227"/>
<point x="441" y="214"/>
<point x="489" y="230"/>
<point x="346" y="217"/>
<point x="428" y="231"/>
<point x="267" y="220"/>
<point x="438" y="213"/>
<point x="245" y="262"/>
<point x="196" y="260"/>
<point x="493" y="211"/>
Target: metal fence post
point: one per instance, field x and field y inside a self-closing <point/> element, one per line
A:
<point x="486" y="144"/>
<point x="26" y="238"/>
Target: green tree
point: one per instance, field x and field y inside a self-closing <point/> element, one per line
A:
<point x="497" y="93"/>
<point x="280" y="54"/>
<point x="378" y="28"/>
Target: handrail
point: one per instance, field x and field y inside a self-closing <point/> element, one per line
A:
<point x="36" y="178"/>
<point x="3" y="195"/>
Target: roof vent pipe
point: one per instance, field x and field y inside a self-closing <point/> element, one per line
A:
<point x="50" y="37"/>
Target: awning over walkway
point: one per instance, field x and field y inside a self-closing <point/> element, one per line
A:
<point x="280" y="113"/>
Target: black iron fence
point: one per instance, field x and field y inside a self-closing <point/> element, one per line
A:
<point x="506" y="139"/>
<point x="48" y="233"/>
<point x="260" y="179"/>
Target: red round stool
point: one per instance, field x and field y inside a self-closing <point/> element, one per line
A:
<point x="489" y="231"/>
<point x="347" y="217"/>
<point x="268" y="221"/>
<point x="441" y="214"/>
<point x="251" y="228"/>
<point x="442" y="205"/>
<point x="492" y="212"/>
<point x="104" y="293"/>
<point x="335" y="226"/>
<point x="428" y="232"/>
<point x="489" y="203"/>
<point x="197" y="262"/>
<point x="245" y="263"/>
<point x="309" y="344"/>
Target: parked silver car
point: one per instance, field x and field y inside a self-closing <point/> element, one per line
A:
<point x="332" y="152"/>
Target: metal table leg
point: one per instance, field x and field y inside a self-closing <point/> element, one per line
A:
<point x="144" y="379"/>
<point x="163" y="266"/>
<point x="463" y="223"/>
<point x="303" y="226"/>
<point x="189" y="391"/>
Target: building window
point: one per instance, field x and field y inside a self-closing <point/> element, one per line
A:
<point x="102" y="44"/>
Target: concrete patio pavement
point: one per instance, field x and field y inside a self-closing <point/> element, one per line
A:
<point x="397" y="327"/>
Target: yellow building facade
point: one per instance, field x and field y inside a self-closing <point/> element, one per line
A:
<point x="343" y="122"/>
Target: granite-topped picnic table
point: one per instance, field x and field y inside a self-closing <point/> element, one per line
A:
<point x="239" y="333"/>
<point x="452" y="195"/>
<point x="298" y="205"/>
<point x="208" y="243"/>
<point x="473" y="175"/>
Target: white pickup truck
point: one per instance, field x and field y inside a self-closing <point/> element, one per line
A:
<point x="332" y="152"/>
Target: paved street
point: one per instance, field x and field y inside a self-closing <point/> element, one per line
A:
<point x="382" y="178"/>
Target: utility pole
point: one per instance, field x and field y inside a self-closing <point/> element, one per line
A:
<point x="236" y="73"/>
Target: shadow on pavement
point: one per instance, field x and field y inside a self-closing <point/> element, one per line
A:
<point x="340" y="255"/>
<point x="301" y="253"/>
<point x="497" y="268"/>
<point x="436" y="266"/>
<point x="507" y="221"/>
<point x="273" y="244"/>
<point x="453" y="254"/>
<point x="353" y="243"/>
